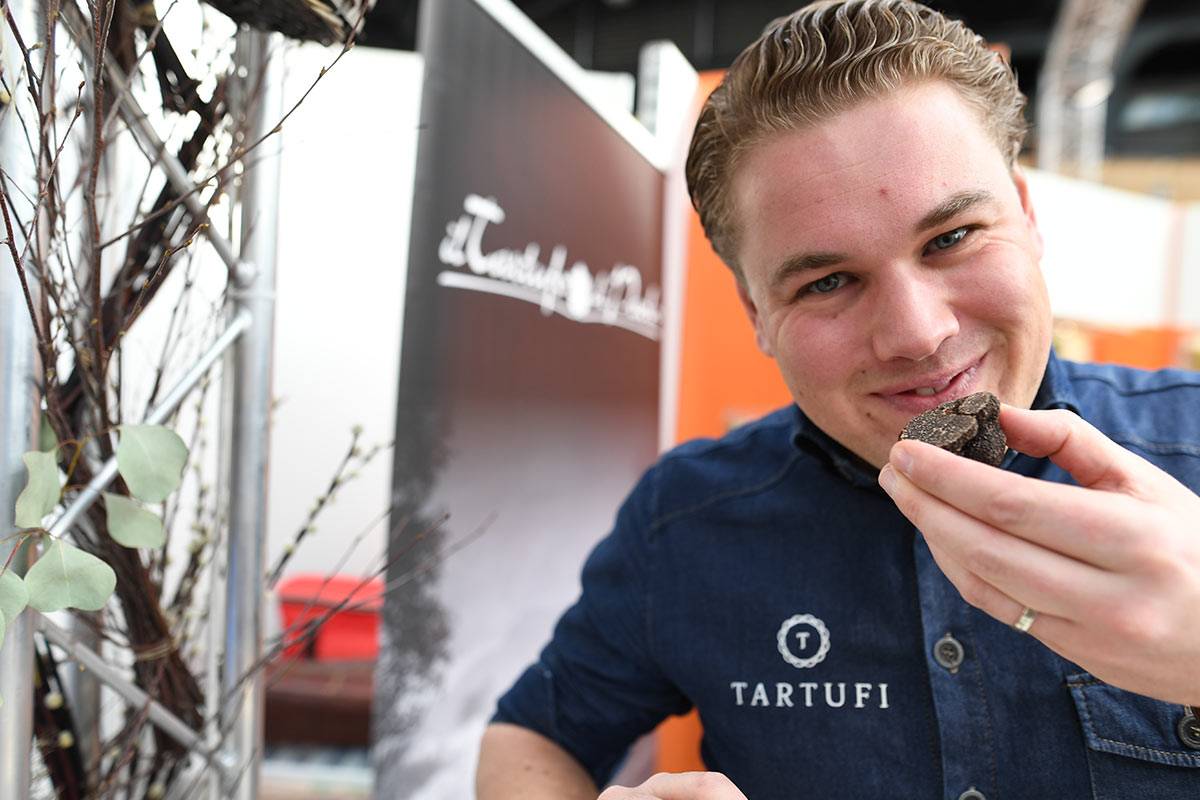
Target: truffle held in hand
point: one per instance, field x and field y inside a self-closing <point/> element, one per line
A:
<point x="968" y="426"/>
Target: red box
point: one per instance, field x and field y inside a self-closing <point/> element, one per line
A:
<point x="351" y="634"/>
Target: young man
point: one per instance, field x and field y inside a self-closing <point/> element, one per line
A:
<point x="839" y="606"/>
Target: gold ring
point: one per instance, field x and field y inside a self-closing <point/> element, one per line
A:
<point x="1028" y="615"/>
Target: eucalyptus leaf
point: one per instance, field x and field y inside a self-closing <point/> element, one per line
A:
<point x="47" y="438"/>
<point x="130" y="524"/>
<point x="151" y="459"/>
<point x="66" y="577"/>
<point x="13" y="596"/>
<point x="40" y="495"/>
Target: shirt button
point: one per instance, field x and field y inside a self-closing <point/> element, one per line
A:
<point x="1189" y="730"/>
<point x="972" y="794"/>
<point x="948" y="653"/>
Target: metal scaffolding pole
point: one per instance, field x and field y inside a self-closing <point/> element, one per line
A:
<point x="18" y="415"/>
<point x="158" y="714"/>
<point x="241" y="712"/>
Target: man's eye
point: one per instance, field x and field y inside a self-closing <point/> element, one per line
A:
<point x="949" y="239"/>
<point x="832" y="281"/>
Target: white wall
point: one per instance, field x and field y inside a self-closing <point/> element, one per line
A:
<point x="1188" y="302"/>
<point x="1115" y="257"/>
<point x="344" y="208"/>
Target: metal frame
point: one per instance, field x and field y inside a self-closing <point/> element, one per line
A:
<point x="249" y="336"/>
<point x="241" y="709"/>
<point x="18" y="415"/>
<point x="1076" y="81"/>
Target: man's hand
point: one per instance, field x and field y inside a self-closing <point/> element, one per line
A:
<point x="518" y="763"/>
<point x="678" y="786"/>
<point x="1112" y="566"/>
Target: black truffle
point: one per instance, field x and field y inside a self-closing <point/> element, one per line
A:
<point x="968" y="426"/>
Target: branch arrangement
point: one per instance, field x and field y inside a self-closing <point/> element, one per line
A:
<point x="103" y="234"/>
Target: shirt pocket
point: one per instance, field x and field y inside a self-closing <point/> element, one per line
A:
<point x="1133" y="742"/>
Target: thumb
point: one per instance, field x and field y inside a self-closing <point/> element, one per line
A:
<point x="1092" y="459"/>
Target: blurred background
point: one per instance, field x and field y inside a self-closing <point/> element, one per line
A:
<point x="1153" y="110"/>
<point x="1114" y="147"/>
<point x="1114" y="158"/>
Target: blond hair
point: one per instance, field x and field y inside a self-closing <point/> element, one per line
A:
<point x="809" y="66"/>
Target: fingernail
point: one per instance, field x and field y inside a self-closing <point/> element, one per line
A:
<point x="887" y="478"/>
<point x="902" y="460"/>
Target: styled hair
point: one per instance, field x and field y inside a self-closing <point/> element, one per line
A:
<point x="822" y="60"/>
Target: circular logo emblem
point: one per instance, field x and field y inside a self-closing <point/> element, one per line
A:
<point x="810" y="636"/>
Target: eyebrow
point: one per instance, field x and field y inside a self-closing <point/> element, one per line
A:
<point x="801" y="263"/>
<point x="952" y="206"/>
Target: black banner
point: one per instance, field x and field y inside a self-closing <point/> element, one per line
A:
<point x="529" y="379"/>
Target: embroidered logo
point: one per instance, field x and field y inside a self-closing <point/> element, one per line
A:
<point x="803" y="641"/>
<point x="810" y="636"/>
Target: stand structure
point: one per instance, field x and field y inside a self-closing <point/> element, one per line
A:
<point x="230" y="742"/>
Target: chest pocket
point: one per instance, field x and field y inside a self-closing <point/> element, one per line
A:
<point x="1135" y="748"/>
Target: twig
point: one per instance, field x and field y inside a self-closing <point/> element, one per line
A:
<point x="43" y="344"/>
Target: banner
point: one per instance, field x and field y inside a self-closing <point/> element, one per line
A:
<point x="529" y="378"/>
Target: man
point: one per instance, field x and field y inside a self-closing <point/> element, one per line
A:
<point x="841" y="607"/>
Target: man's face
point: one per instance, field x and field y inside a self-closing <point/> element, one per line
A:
<point x="891" y="263"/>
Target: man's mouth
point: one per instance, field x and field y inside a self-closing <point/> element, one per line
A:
<point x="920" y="393"/>
<point x="930" y="391"/>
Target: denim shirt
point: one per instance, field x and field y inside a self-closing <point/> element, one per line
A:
<point x="765" y="579"/>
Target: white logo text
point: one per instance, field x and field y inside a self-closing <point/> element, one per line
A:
<point x="615" y="298"/>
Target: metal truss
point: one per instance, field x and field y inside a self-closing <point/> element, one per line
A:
<point x="230" y="744"/>
<point x="1076" y="81"/>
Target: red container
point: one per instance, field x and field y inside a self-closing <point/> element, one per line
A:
<point x="351" y="634"/>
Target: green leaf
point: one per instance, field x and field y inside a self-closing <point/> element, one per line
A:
<point x="13" y="596"/>
<point x="66" y="577"/>
<point x="47" y="438"/>
<point x="40" y="495"/>
<point x="151" y="459"/>
<point x="131" y="525"/>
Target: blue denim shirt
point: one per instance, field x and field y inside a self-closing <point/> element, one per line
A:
<point x="766" y="579"/>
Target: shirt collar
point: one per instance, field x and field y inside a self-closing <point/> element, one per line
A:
<point x="1056" y="391"/>
<point x="808" y="437"/>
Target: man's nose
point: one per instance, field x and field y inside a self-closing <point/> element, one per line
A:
<point x="914" y="314"/>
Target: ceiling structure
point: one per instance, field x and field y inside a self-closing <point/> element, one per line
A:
<point x="1158" y="57"/>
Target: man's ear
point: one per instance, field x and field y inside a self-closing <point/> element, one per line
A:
<point x="752" y="311"/>
<point x="1022" y="184"/>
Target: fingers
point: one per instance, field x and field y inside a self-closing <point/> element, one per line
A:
<point x="1112" y="566"/>
<point x="1070" y="520"/>
<point x="991" y="567"/>
<point x="1048" y="625"/>
<point x="678" y="786"/>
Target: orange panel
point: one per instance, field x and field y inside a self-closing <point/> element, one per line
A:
<point x="1150" y="348"/>
<point x="724" y="380"/>
<point x="677" y="745"/>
